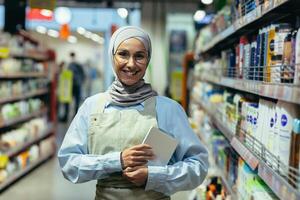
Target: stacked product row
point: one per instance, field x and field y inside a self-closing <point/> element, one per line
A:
<point x="243" y="181"/>
<point x="25" y="133"/>
<point x="12" y="65"/>
<point x="12" y="88"/>
<point x="273" y="55"/>
<point x="274" y="125"/>
<point x="20" y="45"/>
<point x="235" y="14"/>
<point x="18" y="109"/>
<point x="10" y="167"/>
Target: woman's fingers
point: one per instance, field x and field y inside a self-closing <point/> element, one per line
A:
<point x="147" y="152"/>
<point x="141" y="147"/>
<point x="142" y="158"/>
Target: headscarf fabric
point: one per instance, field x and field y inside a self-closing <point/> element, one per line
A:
<point x="121" y="94"/>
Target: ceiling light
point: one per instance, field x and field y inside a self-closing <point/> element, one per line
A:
<point x="81" y="30"/>
<point x="41" y="29"/>
<point x="53" y="33"/>
<point x="207" y="2"/>
<point x="88" y="34"/>
<point x="63" y="15"/>
<point x="95" y="37"/>
<point x="123" y="13"/>
<point x="72" y="39"/>
<point x="46" y="13"/>
<point x="199" y="15"/>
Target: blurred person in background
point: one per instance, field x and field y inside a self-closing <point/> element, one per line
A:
<point x="104" y="140"/>
<point x="93" y="75"/>
<point x="78" y="79"/>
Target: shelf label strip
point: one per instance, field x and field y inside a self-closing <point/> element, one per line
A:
<point x="282" y="189"/>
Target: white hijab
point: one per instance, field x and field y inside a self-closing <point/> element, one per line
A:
<point x="121" y="94"/>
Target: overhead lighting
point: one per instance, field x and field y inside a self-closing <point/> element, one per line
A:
<point x="41" y="29"/>
<point x="63" y="15"/>
<point x="46" y="13"/>
<point x="199" y="15"/>
<point x="81" y="30"/>
<point x="122" y="12"/>
<point x="88" y="34"/>
<point x="207" y="2"/>
<point x="95" y="37"/>
<point x="53" y="33"/>
<point x="72" y="39"/>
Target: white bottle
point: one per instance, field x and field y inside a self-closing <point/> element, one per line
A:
<point x="288" y="112"/>
<point x="297" y="59"/>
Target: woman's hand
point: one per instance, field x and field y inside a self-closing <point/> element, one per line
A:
<point x="137" y="175"/>
<point x="136" y="156"/>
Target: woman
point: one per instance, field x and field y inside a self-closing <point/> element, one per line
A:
<point x="104" y="139"/>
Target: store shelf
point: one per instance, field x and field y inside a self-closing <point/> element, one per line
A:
<point x="23" y="118"/>
<point x="226" y="132"/>
<point x="278" y="184"/>
<point x="286" y="92"/>
<point x="25" y="171"/>
<point x="19" y="75"/>
<point x="245" y="24"/>
<point x="26" y="96"/>
<point x="216" y="171"/>
<point x="15" y="151"/>
<point x="35" y="55"/>
<point x="244" y="152"/>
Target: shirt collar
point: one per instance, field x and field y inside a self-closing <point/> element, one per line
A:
<point x="109" y="104"/>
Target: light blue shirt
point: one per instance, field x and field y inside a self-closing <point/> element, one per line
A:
<point x="185" y="171"/>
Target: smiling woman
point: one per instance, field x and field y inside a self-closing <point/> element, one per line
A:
<point x="104" y="141"/>
<point x="130" y="61"/>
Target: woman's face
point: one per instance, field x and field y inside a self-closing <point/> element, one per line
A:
<point x="131" y="60"/>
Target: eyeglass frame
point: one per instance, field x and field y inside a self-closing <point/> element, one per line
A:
<point x="126" y="60"/>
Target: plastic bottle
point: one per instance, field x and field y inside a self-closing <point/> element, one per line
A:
<point x="288" y="112"/>
<point x="297" y="59"/>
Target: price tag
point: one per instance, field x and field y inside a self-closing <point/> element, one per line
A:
<point x="3" y="161"/>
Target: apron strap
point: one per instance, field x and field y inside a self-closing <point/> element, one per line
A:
<point x="150" y="107"/>
<point x="102" y="102"/>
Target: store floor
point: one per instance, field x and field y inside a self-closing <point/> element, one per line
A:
<point x="47" y="183"/>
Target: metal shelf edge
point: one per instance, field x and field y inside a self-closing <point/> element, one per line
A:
<point x="31" y="94"/>
<point x="23" y="172"/>
<point x="288" y="93"/>
<point x="43" y="136"/>
<point x="23" y="118"/>
<point x="277" y="184"/>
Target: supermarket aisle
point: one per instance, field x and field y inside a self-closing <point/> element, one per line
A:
<point x="47" y="183"/>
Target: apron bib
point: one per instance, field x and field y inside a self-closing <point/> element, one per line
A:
<point x="117" y="131"/>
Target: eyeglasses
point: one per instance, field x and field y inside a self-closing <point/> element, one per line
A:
<point x="123" y="56"/>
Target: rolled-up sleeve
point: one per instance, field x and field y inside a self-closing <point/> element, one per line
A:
<point x="189" y="164"/>
<point x="76" y="163"/>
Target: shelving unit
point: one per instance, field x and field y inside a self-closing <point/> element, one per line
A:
<point x="43" y="88"/>
<point x="45" y="134"/>
<point x="255" y="18"/>
<point x="22" y="97"/>
<point x="23" y="118"/>
<point x="277" y="183"/>
<point x="286" y="92"/>
<point x="22" y="75"/>
<point x="25" y="171"/>
<point x="220" y="51"/>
